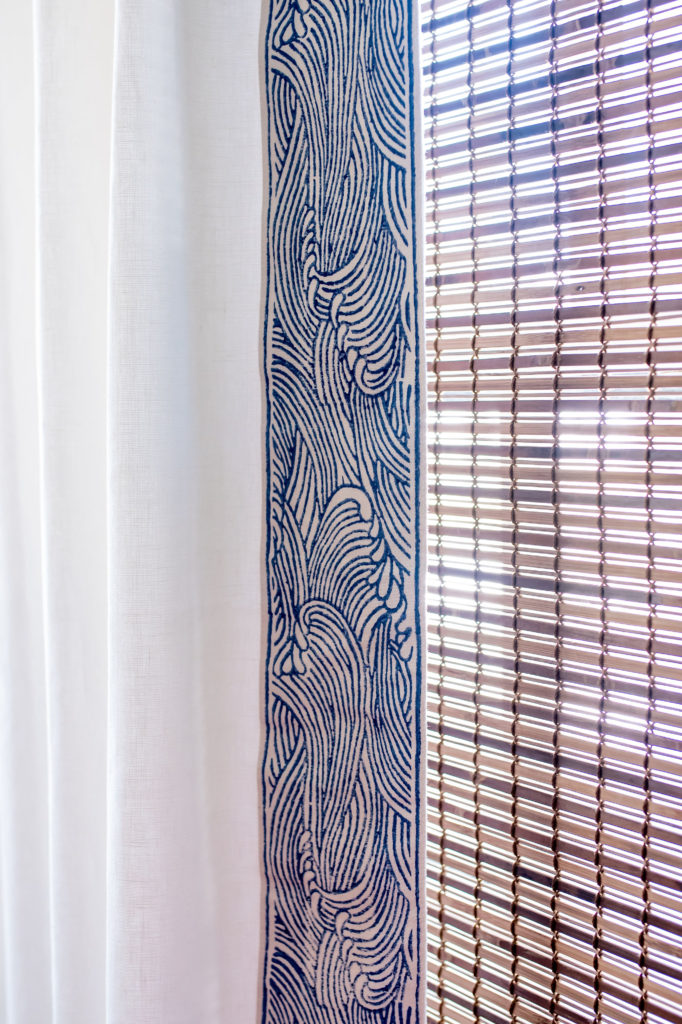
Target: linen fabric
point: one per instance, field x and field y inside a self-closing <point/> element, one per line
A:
<point x="130" y="511"/>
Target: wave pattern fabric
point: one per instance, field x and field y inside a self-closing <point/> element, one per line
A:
<point x="342" y="761"/>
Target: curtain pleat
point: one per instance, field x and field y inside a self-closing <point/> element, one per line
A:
<point x="25" y="988"/>
<point x="159" y="955"/>
<point x="130" y="512"/>
<point x="72" y="60"/>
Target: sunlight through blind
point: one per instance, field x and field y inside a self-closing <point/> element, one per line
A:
<point x="554" y="324"/>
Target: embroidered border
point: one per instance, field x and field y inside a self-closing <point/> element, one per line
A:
<point x="341" y="796"/>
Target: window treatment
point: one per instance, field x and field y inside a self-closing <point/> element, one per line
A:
<point x="137" y="806"/>
<point x="555" y="729"/>
<point x="130" y="511"/>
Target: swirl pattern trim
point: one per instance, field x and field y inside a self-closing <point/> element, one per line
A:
<point x="342" y="761"/>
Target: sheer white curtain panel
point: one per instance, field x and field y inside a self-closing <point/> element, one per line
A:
<point x="130" y="511"/>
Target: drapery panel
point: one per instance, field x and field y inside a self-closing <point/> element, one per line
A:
<point x="132" y="503"/>
<point x="342" y="761"/>
<point x="130" y="511"/>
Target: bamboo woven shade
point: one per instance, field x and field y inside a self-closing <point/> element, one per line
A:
<point x="553" y="143"/>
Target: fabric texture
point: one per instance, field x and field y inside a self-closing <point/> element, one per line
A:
<point x="130" y="511"/>
<point x="342" y="760"/>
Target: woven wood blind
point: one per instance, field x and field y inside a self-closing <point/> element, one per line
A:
<point x="554" y="285"/>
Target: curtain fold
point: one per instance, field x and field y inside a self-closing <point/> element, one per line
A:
<point x="130" y="512"/>
<point x="25" y="987"/>
<point x="72" y="70"/>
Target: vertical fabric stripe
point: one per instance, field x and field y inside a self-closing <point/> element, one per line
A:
<point x="342" y="760"/>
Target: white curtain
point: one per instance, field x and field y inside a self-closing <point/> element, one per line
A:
<point x="130" y="511"/>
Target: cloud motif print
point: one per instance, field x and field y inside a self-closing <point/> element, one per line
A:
<point x="341" y="766"/>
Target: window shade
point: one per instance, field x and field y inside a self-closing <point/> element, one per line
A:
<point x="554" y="314"/>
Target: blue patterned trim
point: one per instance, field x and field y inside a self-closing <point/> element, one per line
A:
<point x="341" y="794"/>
